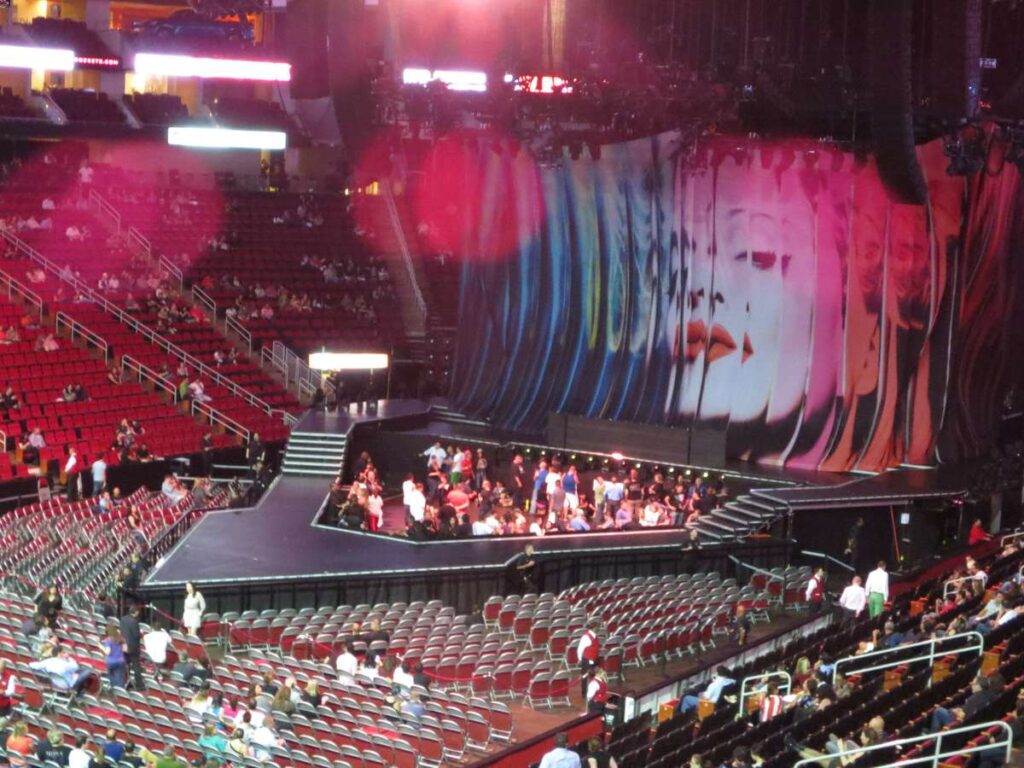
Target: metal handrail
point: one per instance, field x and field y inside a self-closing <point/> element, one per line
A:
<point x="403" y="244"/>
<point x="937" y="737"/>
<point x="235" y="325"/>
<point x="950" y="586"/>
<point x="103" y="206"/>
<point x="787" y="686"/>
<point x="201" y="297"/>
<point x="771" y="576"/>
<point x="145" y="373"/>
<point x="977" y="645"/>
<point x="217" y="417"/>
<point x="1010" y="537"/>
<point x="829" y="558"/>
<point x="17" y="288"/>
<point x="76" y="328"/>
<point x="294" y="369"/>
<point x="143" y="330"/>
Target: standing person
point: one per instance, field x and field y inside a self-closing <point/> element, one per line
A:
<point x="598" y="756"/>
<point x="540" y="485"/>
<point x="480" y="472"/>
<point x="526" y="570"/>
<point x="853" y="542"/>
<point x="635" y="493"/>
<point x="853" y="600"/>
<point x="206" y="453"/>
<point x="597" y="693"/>
<point x="977" y="534"/>
<point x="417" y="504"/>
<point x="374" y="509"/>
<point x="132" y="635"/>
<point x="195" y="607"/>
<point x="518" y="481"/>
<point x="815" y="593"/>
<point x="98" y="470"/>
<point x="613" y="491"/>
<point x="570" y="484"/>
<point x="456" y="471"/>
<point x="72" y="471"/>
<point x="690" y="550"/>
<point x="877" y="587"/>
<point x="588" y="651"/>
<point x="408" y="486"/>
<point x="50" y="604"/>
<point x="113" y="649"/>
<point x="561" y="756"/>
<point x="598" y="488"/>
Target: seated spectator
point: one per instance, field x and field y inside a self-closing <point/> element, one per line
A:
<point x="53" y="750"/>
<point x="712" y="693"/>
<point x="20" y="745"/>
<point x="198" y="705"/>
<point x="172" y="489"/>
<point x="156" y="643"/>
<point x="31" y="447"/>
<point x="213" y="742"/>
<point x="414" y="706"/>
<point x="264" y="738"/>
<point x="64" y="672"/>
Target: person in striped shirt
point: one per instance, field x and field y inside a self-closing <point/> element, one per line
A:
<point x="771" y="703"/>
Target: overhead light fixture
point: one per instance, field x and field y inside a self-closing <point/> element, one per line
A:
<point x="172" y="65"/>
<point x="26" y="57"/>
<point x="348" y="361"/>
<point x="225" y="138"/>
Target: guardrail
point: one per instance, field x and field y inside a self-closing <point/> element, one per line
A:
<point x="15" y="287"/>
<point x="938" y="755"/>
<point x="235" y="326"/>
<point x="952" y="586"/>
<point x="77" y="330"/>
<point x="125" y="319"/>
<point x="141" y="372"/>
<point x="1015" y="536"/>
<point x="828" y="558"/>
<point x="216" y="417"/>
<point x="295" y="370"/>
<point x="403" y="244"/>
<point x="201" y="297"/>
<point x="746" y="690"/>
<point x="972" y="642"/>
<point x="100" y="203"/>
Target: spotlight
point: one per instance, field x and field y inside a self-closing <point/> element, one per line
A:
<point x="617" y="456"/>
<point x="706" y="475"/>
<point x="687" y="473"/>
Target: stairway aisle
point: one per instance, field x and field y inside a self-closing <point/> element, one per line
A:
<point x="313" y="454"/>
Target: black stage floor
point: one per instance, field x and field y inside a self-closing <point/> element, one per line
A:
<point x="278" y="540"/>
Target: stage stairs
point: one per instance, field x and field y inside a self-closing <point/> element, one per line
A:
<point x="314" y="454"/>
<point x="747" y="514"/>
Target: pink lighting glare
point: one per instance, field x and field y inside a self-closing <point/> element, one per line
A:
<point x="172" y="65"/>
<point x="617" y="456"/>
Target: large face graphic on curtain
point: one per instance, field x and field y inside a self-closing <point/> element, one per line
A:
<point x="772" y="290"/>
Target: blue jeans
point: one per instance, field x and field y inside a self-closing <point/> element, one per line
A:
<point x="687" y="703"/>
<point x="941" y="717"/>
<point x="118" y="674"/>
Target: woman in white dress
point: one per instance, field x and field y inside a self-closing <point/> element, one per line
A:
<point x="195" y="607"/>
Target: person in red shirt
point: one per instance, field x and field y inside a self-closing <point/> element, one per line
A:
<point x="8" y="685"/>
<point x="771" y="703"/>
<point x="597" y="693"/>
<point x="978" y="534"/>
<point x="815" y="594"/>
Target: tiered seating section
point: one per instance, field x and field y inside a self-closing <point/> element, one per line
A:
<point x="13" y="106"/>
<point x="65" y="230"/>
<point x="68" y="544"/>
<point x="37" y="378"/>
<point x="87" y="106"/>
<point x="68" y="34"/>
<point x="904" y="699"/>
<point x="157" y="108"/>
<point x="297" y="255"/>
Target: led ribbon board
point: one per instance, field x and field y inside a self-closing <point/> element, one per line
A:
<point x="225" y="138"/>
<point x="172" y="65"/>
<point x="348" y="361"/>
<point x="25" y="57"/>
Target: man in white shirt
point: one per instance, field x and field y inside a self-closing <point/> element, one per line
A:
<point x="877" y="588"/>
<point x="79" y="757"/>
<point x="481" y="528"/>
<point x="346" y="663"/>
<point x="155" y="643"/>
<point x="853" y="600"/>
<point x="712" y="693"/>
<point x="417" y="503"/>
<point x="435" y="453"/>
<point x="561" y="756"/>
<point x="408" y="487"/>
<point x="264" y="738"/>
<point x="402" y="676"/>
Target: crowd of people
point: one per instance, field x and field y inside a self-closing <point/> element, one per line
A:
<point x="460" y="496"/>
